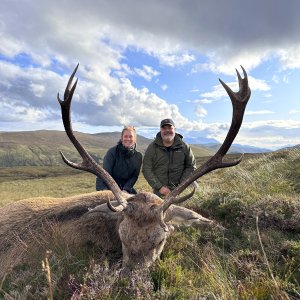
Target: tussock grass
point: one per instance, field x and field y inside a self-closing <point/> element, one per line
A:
<point x="248" y="260"/>
<point x="26" y="182"/>
<point x="60" y="186"/>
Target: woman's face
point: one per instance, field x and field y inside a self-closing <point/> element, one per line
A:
<point x="128" y="139"/>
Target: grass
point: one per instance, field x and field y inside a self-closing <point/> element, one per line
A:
<point x="37" y="182"/>
<point x="256" y="257"/>
<point x="25" y="182"/>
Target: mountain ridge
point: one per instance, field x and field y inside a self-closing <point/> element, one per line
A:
<point x="42" y="147"/>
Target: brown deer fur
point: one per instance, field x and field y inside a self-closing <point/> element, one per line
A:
<point x="28" y="226"/>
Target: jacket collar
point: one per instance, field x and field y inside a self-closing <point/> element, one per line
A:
<point x="126" y="151"/>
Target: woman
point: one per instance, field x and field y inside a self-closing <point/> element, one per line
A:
<point x="123" y="162"/>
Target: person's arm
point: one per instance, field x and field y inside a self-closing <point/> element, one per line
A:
<point x="132" y="180"/>
<point x="189" y="163"/>
<point x="109" y="161"/>
<point x="108" y="164"/>
<point x="100" y="184"/>
<point x="148" y="168"/>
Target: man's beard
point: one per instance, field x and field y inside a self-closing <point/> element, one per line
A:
<point x="168" y="137"/>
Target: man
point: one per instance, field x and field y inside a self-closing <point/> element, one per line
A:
<point x="168" y="160"/>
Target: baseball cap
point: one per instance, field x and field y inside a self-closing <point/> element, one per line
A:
<point x="167" y="122"/>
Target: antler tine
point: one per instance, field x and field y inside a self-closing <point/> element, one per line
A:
<point x="239" y="101"/>
<point x="88" y="163"/>
<point x="178" y="200"/>
<point x="69" y="92"/>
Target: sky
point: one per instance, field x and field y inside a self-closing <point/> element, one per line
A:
<point x="141" y="61"/>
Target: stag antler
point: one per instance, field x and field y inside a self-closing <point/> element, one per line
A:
<point x="239" y="101"/>
<point x="88" y="163"/>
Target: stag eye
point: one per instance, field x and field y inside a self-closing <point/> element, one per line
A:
<point x="129" y="209"/>
<point x="152" y="207"/>
<point x="161" y="242"/>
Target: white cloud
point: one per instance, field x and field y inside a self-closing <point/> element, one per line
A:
<point x="289" y="57"/>
<point x="37" y="89"/>
<point x="133" y="106"/>
<point x="219" y="92"/>
<point x="281" y="77"/>
<point x="200" y="111"/>
<point x="146" y="72"/>
<point x="96" y="34"/>
<point x="268" y="95"/>
<point x="216" y="64"/>
<point x="282" y="124"/>
<point x="174" y="59"/>
<point x="9" y="46"/>
<point x="258" y="112"/>
<point x="258" y="84"/>
<point x="275" y="78"/>
<point x="124" y="71"/>
<point x="164" y="87"/>
<point x="98" y="99"/>
<point x="294" y="111"/>
<point x="271" y="134"/>
<point x="21" y="112"/>
<point x="146" y="26"/>
<point x="203" y="101"/>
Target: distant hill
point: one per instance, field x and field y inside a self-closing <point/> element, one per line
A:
<point x="196" y="140"/>
<point x="50" y="137"/>
<point x="193" y="138"/>
<point x="236" y="148"/>
<point x="290" y="148"/>
<point x="42" y="147"/>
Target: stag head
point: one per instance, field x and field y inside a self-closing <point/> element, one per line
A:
<point x="146" y="219"/>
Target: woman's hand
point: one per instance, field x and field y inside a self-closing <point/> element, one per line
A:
<point x="164" y="190"/>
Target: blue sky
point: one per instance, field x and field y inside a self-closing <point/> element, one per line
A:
<point x="143" y="61"/>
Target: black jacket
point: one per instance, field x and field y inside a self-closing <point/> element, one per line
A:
<point x="123" y="165"/>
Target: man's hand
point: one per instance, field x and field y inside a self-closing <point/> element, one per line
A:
<point x="164" y="190"/>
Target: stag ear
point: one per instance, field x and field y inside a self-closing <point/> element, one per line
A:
<point x="102" y="209"/>
<point x="177" y="215"/>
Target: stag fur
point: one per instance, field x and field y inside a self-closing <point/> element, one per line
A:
<point x="28" y="226"/>
<point x="25" y="222"/>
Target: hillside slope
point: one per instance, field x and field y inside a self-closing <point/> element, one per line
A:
<point x="42" y="147"/>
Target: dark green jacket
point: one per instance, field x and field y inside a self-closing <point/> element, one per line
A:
<point x="167" y="167"/>
<point x="123" y="165"/>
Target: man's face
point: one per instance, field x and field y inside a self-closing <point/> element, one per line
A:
<point x="167" y="133"/>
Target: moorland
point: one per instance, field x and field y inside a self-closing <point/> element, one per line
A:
<point x="257" y="256"/>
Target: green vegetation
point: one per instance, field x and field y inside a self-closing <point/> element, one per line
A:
<point x="41" y="155"/>
<point x="257" y="256"/>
